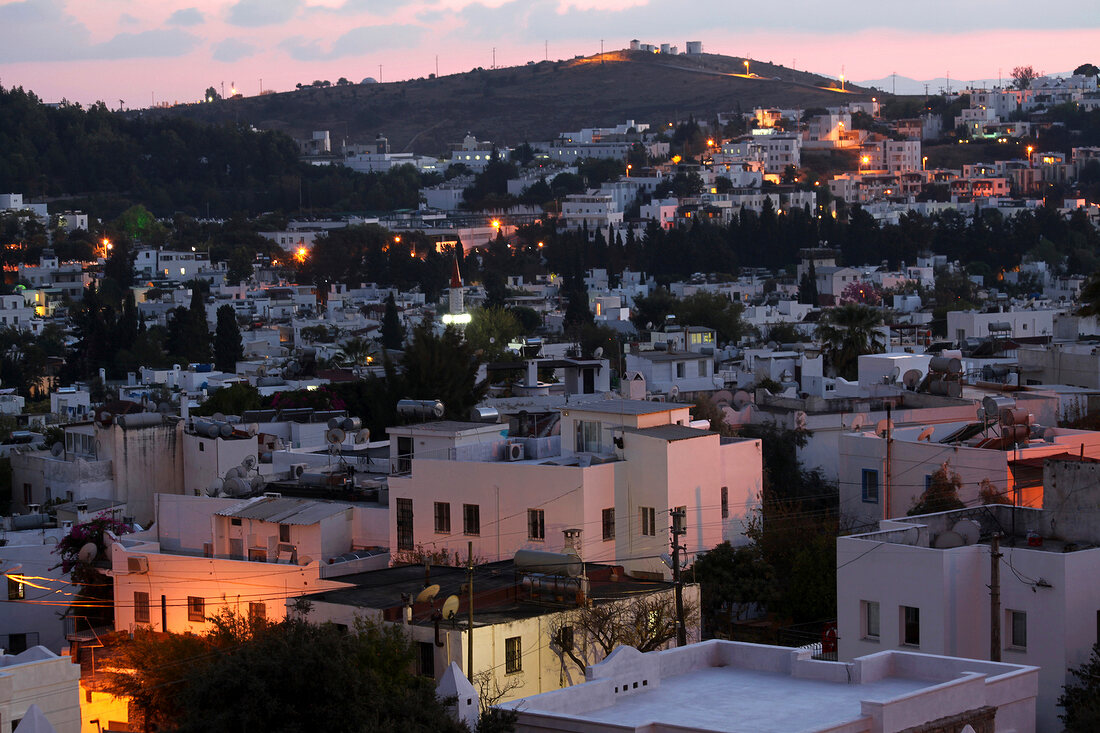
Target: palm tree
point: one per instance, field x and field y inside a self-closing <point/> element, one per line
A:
<point x="355" y="351"/>
<point x="848" y="331"/>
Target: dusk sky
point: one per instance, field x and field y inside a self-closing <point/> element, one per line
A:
<point x="171" y="50"/>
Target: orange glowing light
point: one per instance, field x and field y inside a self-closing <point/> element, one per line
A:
<point x="710" y="143"/>
<point x="300" y="254"/>
<point x="397" y="239"/>
<point x="866" y="159"/>
<point x="676" y="159"/>
<point x="495" y="223"/>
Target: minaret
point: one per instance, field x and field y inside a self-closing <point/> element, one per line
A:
<point x="454" y="294"/>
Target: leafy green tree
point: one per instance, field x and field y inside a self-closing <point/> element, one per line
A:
<point x="1080" y="699"/>
<point x="199" y="330"/>
<point x="211" y="94"/>
<point x="286" y="676"/>
<point x="712" y="310"/>
<point x="529" y="319"/>
<point x="442" y="367"/>
<point x="491" y="330"/>
<point x="231" y="400"/>
<point x="577" y="312"/>
<point x="1022" y="76"/>
<point x="650" y="311"/>
<point x="356" y="351"/>
<point x="1087" y="70"/>
<point x="847" y="331"/>
<point x="730" y="580"/>
<point x="393" y="333"/>
<point x="228" y="348"/>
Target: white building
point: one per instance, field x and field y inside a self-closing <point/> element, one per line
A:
<point x="250" y="556"/>
<point x="158" y="264"/>
<point x="671" y="372"/>
<point x="28" y="552"/>
<point x="39" y="678"/>
<point x="719" y="686"/>
<point x="590" y="211"/>
<point x="962" y="325"/>
<point x="615" y="471"/>
<point x="922" y="583"/>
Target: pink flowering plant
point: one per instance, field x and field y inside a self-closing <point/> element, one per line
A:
<point x="94" y="531"/>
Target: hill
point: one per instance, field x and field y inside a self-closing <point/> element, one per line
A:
<point x="528" y="103"/>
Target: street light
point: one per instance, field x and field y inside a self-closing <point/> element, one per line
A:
<point x="924" y="163"/>
<point x="746" y="67"/>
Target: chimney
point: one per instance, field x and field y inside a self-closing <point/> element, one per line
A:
<point x="572" y="542"/>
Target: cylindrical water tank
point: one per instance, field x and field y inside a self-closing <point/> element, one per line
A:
<point x="551" y="563"/>
<point x="948" y="364"/>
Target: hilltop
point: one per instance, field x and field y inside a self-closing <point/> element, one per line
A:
<point x="534" y="102"/>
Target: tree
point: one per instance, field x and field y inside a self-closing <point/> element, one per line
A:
<point x="211" y="94"/>
<point x="847" y="331"/>
<point x="228" y="348"/>
<point x="442" y="367"/>
<point x="577" y="312"/>
<point x="942" y="494"/>
<point x="1022" y="76"/>
<point x="1087" y="70"/>
<point x="587" y="634"/>
<point x="249" y="674"/>
<point x="393" y="333"/>
<point x="732" y="580"/>
<point x="198" y="330"/>
<point x="1080" y="698"/>
<point x="711" y="310"/>
<point x="491" y="330"/>
<point x="650" y="311"/>
<point x="356" y="351"/>
<point x="231" y="400"/>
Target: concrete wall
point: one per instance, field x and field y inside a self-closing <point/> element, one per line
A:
<point x="33" y="550"/>
<point x="37" y="677"/>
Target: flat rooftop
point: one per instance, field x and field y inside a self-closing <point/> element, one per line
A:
<point x="625" y="407"/>
<point x="762" y="702"/>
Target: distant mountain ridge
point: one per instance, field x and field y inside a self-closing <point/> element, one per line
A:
<point x="529" y="103"/>
<point x="905" y="85"/>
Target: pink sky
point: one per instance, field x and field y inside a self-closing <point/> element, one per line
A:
<point x="172" y="50"/>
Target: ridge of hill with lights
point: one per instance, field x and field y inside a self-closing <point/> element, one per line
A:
<point x="538" y="101"/>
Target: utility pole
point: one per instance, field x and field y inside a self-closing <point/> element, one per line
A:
<point x="601" y="50"/>
<point x="886" y="491"/>
<point x="678" y="530"/>
<point x="379" y="73"/>
<point x="995" y="599"/>
<point x="437" y="66"/>
<point x="494" y="58"/>
<point x="470" y="599"/>
<point x="546" y="50"/>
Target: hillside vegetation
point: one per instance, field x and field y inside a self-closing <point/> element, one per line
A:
<point x="529" y="103"/>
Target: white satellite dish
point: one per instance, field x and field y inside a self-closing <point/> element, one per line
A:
<point x="363" y="436"/>
<point x="450" y="607"/>
<point x="233" y="472"/>
<point x="799" y="420"/>
<point x="598" y="353"/>
<point x="427" y="594"/>
<point x="911" y="379"/>
<point x="248" y="463"/>
<point x="674" y="392"/>
<point x="926" y="434"/>
<point x="969" y="530"/>
<point x="858" y="422"/>
<point x="883" y="426"/>
<point x="214" y="488"/>
<point x="335" y="436"/>
<point x="741" y="398"/>
<point x="87" y="553"/>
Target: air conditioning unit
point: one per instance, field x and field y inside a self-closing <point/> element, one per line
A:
<point x="137" y="564"/>
<point x="297" y="469"/>
<point x="514" y="451"/>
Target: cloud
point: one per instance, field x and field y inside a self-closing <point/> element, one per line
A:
<point x="127" y="19"/>
<point x="355" y="7"/>
<point x="255" y="13"/>
<point x="186" y="17"/>
<point x="233" y="49"/>
<point x="47" y="33"/>
<point x="356" y="42"/>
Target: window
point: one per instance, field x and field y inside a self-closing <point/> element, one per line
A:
<point x="649" y="521"/>
<point x="564" y="638"/>
<point x="26" y="493"/>
<point x="609" y="523"/>
<point x="442" y="517"/>
<point x="195" y="608"/>
<point x="404" y="524"/>
<point x="870" y="486"/>
<point x="870" y="614"/>
<point x="141" y="607"/>
<point x="702" y="367"/>
<point x="16" y="589"/>
<point x="235" y="521"/>
<point x="588" y="436"/>
<point x="426" y="659"/>
<point x="257" y="611"/>
<point x="284" y="533"/>
<point x="471" y="519"/>
<point x="725" y="502"/>
<point x="536" y="524"/>
<point x="680" y="370"/>
<point x="910" y="625"/>
<point x="1017" y="630"/>
<point x="256" y="554"/>
<point x="202" y="447"/>
<point x="513" y="655"/>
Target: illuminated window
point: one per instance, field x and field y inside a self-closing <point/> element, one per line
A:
<point x="257" y="611"/>
<point x="196" y="608"/>
<point x="16" y="590"/>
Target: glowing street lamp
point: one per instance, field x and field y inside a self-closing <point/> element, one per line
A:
<point x="924" y="163"/>
<point x="301" y="254"/>
<point x="746" y="67"/>
<point x="1029" y="149"/>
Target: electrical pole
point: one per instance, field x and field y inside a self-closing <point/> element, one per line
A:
<point x="995" y="599"/>
<point x="470" y="623"/>
<point x="494" y="57"/>
<point x="678" y="516"/>
<point x="889" y="441"/>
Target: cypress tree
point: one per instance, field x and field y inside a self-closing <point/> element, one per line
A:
<point x="228" y="348"/>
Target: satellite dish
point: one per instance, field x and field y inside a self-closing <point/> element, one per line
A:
<point x="57" y="449"/>
<point x="363" y="436"/>
<point x="218" y="417"/>
<point x="911" y="379"/>
<point x="883" y="426"/>
<point x="87" y="553"/>
<point x="438" y="409"/>
<point x="450" y="607"/>
<point x="722" y="397"/>
<point x="1048" y="435"/>
<point x="858" y="422"/>
<point x="926" y="435"/>
<point x="257" y="483"/>
<point x="248" y="463"/>
<point x="305" y="560"/>
<point x="234" y="472"/>
<point x="598" y="353"/>
<point x="800" y="420"/>
<point x="214" y="487"/>
<point x="741" y="398"/>
<point x="426" y="595"/>
<point x="969" y="530"/>
<point x="336" y="436"/>
<point x="674" y="392"/>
